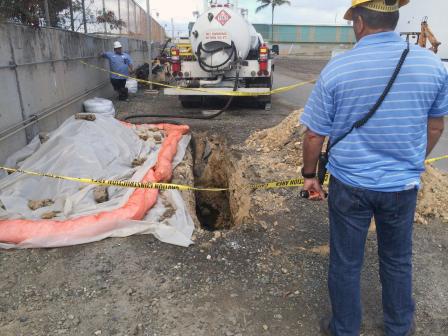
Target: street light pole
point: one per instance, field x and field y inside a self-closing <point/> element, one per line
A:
<point x="47" y="13"/>
<point x="84" y="22"/>
<point x="148" y="11"/>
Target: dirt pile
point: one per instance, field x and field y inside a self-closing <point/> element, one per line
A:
<point x="279" y="156"/>
<point x="433" y="197"/>
<point x="279" y="149"/>
<point x="268" y="155"/>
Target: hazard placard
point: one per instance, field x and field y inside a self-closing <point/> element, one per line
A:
<point x="223" y="17"/>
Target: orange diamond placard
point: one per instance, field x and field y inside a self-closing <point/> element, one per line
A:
<point x="223" y="17"/>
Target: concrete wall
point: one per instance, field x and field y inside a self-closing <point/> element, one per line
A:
<point x="312" y="50"/>
<point x="47" y="74"/>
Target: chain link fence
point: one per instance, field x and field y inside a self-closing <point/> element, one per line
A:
<point x="102" y="17"/>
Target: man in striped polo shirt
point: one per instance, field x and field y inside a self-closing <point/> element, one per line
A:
<point x="376" y="168"/>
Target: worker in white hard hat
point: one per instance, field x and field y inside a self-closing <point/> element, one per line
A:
<point x="382" y="105"/>
<point x="120" y="63"/>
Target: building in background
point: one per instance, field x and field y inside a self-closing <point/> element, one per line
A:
<point x="309" y="40"/>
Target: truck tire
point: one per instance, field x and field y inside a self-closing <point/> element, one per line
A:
<point x="265" y="100"/>
<point x="191" y="102"/>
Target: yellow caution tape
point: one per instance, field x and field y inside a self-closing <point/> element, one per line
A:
<point x="123" y="184"/>
<point x="217" y="92"/>
<point x="297" y="182"/>
<point x="437" y="159"/>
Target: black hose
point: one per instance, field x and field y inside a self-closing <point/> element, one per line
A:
<point x="202" y="65"/>
<point x="191" y="116"/>
<point x="210" y="68"/>
<point x="201" y="48"/>
<point x="157" y="121"/>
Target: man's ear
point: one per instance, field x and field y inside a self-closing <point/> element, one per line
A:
<point x="360" y="23"/>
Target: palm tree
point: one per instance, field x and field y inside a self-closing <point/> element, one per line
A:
<point x="273" y="4"/>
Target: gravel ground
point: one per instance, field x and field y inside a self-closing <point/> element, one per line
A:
<point x="266" y="276"/>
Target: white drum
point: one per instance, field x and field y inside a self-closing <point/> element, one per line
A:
<point x="100" y="106"/>
<point x="132" y="86"/>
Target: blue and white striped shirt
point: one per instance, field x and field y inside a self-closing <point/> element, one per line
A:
<point x="387" y="154"/>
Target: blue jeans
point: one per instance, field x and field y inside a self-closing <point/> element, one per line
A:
<point x="351" y="211"/>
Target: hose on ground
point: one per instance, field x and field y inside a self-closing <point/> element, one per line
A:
<point x="188" y="116"/>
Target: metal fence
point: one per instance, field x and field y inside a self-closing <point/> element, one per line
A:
<point x="104" y="17"/>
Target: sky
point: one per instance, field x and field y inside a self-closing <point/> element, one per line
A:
<point x="303" y="12"/>
<point x="300" y="12"/>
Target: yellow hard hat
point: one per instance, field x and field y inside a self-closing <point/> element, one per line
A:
<point x="376" y="5"/>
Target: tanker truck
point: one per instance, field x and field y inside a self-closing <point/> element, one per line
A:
<point x="227" y="55"/>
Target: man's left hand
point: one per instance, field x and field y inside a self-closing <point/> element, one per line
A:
<point x="315" y="189"/>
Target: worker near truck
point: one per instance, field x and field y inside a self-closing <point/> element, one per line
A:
<point x="375" y="169"/>
<point x="120" y="63"/>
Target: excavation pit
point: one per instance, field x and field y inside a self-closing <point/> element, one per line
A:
<point x="212" y="170"/>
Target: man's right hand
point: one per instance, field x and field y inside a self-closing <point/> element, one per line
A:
<point x="315" y="189"/>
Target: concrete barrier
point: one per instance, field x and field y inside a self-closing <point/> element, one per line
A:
<point x="42" y="81"/>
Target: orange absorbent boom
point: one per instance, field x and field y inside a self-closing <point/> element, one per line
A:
<point x="140" y="202"/>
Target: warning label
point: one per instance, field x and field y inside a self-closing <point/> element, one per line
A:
<point x="217" y="35"/>
<point x="223" y="17"/>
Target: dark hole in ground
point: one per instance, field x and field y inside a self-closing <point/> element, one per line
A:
<point x="211" y="170"/>
<point x="207" y="215"/>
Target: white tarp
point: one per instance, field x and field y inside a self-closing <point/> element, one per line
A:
<point x="100" y="149"/>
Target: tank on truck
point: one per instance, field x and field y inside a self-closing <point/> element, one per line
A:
<point x="227" y="55"/>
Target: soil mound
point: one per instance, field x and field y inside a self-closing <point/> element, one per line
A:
<point x="280" y="149"/>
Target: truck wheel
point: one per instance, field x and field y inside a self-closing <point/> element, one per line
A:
<point x="191" y="102"/>
<point x="264" y="102"/>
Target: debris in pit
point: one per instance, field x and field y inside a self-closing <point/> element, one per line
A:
<point x="100" y="194"/>
<point x="85" y="116"/>
<point x="208" y="216"/>
<point x="37" y="204"/>
<point x="50" y="214"/>
<point x="211" y="168"/>
<point x="138" y="162"/>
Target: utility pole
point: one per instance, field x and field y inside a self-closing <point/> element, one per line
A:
<point x="72" y="21"/>
<point x="84" y="16"/>
<point x="148" y="11"/>
<point x="172" y="28"/>
<point x="104" y="14"/>
<point x="47" y="13"/>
